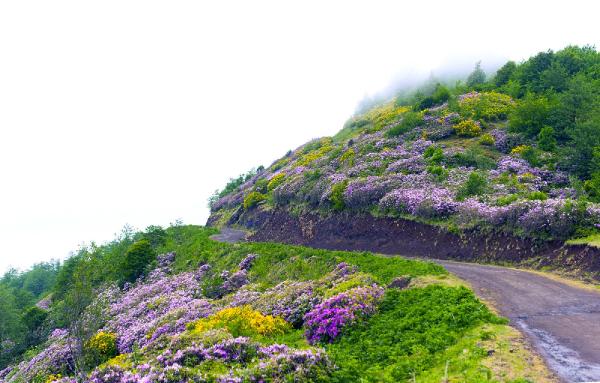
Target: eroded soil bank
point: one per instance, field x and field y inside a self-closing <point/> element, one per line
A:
<point x="349" y="231"/>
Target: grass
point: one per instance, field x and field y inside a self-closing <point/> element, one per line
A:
<point x="591" y="240"/>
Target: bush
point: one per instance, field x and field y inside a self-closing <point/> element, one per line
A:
<point x="537" y="196"/>
<point x="253" y="199"/>
<point x="137" y="257"/>
<point x="547" y="139"/>
<point x="242" y="321"/>
<point x="488" y="106"/>
<point x="100" y="348"/>
<point x="467" y="128"/>
<point x="410" y="121"/>
<point x="530" y="115"/>
<point x="476" y="184"/>
<point x="275" y="181"/>
<point x="433" y="154"/>
<point x="487" y="139"/>
<point x="337" y="195"/>
<point x="473" y="157"/>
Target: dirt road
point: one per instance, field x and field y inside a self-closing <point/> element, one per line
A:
<point x="561" y="320"/>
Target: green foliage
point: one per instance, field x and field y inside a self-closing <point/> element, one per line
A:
<point x="439" y="172"/>
<point x="467" y="128"/>
<point x="487" y="139"/>
<point x="473" y="157"/>
<point x="476" y="184"/>
<point x="504" y="74"/>
<point x="487" y="106"/>
<point x="440" y="95"/>
<point x="137" y="258"/>
<point x="234" y="184"/>
<point x="337" y="195"/>
<point x="477" y="77"/>
<point x="347" y="158"/>
<point x="547" y="139"/>
<point x="408" y="334"/>
<point x="506" y="200"/>
<point x="537" y="195"/>
<point x="530" y="115"/>
<point x="409" y="121"/>
<point x="156" y="235"/>
<point x="433" y="154"/>
<point x="252" y="199"/>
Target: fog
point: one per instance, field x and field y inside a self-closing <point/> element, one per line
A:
<point x="134" y="112"/>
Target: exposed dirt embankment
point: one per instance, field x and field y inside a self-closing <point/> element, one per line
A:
<point x="349" y="231"/>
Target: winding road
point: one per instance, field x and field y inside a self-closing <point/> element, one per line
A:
<point x="560" y="319"/>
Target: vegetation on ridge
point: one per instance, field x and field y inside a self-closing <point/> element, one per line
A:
<point x="518" y="152"/>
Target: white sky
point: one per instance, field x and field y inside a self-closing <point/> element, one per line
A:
<point x="115" y="112"/>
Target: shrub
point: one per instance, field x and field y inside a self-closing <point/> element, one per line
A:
<point x="325" y="322"/>
<point x="261" y="185"/>
<point x="530" y="115"/>
<point x="506" y="200"/>
<point x="488" y="106"/>
<point x="100" y="348"/>
<point x="410" y="121"/>
<point x="438" y="171"/>
<point x="467" y="128"/>
<point x="433" y="154"/>
<point x="476" y="184"/>
<point x="537" y="196"/>
<point x="347" y="158"/>
<point x="487" y="139"/>
<point x="473" y="157"/>
<point x="242" y="321"/>
<point x="137" y="257"/>
<point x="253" y="199"/>
<point x="337" y="195"/>
<point x="275" y="181"/>
<point x="547" y="139"/>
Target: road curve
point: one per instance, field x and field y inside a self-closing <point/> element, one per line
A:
<point x="561" y="320"/>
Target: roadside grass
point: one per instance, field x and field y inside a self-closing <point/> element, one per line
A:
<point x="592" y="240"/>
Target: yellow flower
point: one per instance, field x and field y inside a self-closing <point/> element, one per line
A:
<point x="242" y="321"/>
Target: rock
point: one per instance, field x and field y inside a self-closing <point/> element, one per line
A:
<point x="399" y="283"/>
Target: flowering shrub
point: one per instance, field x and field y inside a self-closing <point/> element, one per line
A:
<point x="275" y="181"/>
<point x="428" y="203"/>
<point x="242" y="321"/>
<point x="487" y="139"/>
<point x="325" y="322"/>
<point x="468" y="128"/>
<point x="101" y="347"/>
<point x="488" y="106"/>
<point x="253" y="199"/>
<point x="288" y="300"/>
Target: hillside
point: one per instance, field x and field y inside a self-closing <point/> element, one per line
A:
<point x="514" y="158"/>
<point x="205" y="311"/>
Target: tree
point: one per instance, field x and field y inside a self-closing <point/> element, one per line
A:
<point x="137" y="257"/>
<point x="547" y="139"/>
<point x="11" y="327"/>
<point x="476" y="77"/>
<point x="585" y="138"/>
<point x="530" y="115"/>
<point x="504" y="74"/>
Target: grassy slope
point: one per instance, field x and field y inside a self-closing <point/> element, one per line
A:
<point x="417" y="331"/>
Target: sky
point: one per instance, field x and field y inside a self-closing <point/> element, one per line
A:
<point x="134" y="112"/>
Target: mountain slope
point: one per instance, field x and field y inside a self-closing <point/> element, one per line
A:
<point x="506" y="156"/>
